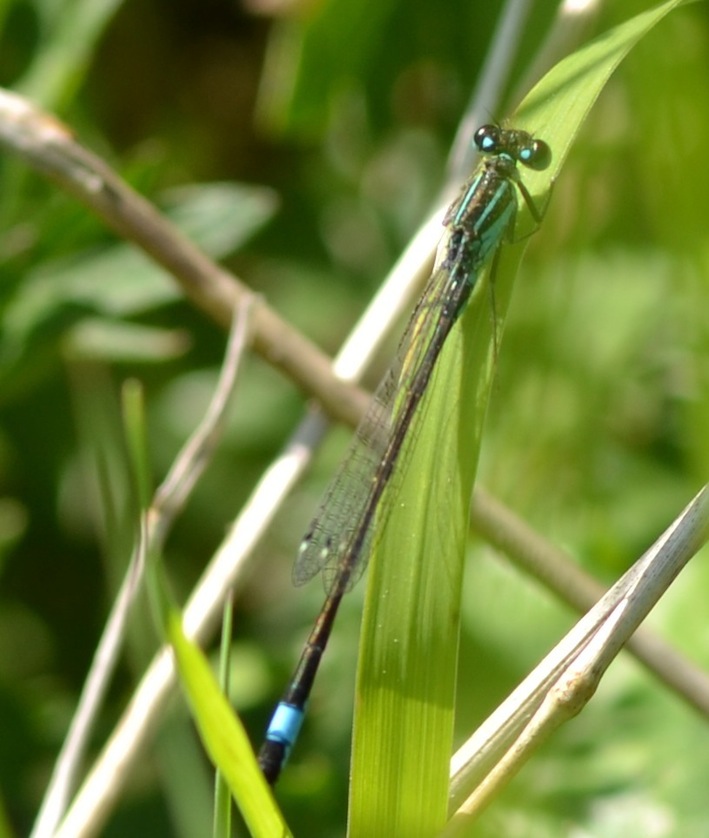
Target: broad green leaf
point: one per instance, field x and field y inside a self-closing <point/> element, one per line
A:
<point x="119" y="282"/>
<point x="408" y="653"/>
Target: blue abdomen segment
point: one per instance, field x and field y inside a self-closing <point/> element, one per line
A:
<point x="285" y="724"/>
<point x="281" y="735"/>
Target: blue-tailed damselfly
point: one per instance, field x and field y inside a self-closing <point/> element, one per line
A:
<point x="338" y="540"/>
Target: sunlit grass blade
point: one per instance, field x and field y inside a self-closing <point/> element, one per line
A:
<point x="222" y="797"/>
<point x="224" y="737"/>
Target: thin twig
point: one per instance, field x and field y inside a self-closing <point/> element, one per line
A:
<point x="199" y="449"/>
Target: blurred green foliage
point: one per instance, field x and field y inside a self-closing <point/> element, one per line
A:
<point x="342" y="114"/>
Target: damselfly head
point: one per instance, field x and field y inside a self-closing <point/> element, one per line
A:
<point x="521" y="146"/>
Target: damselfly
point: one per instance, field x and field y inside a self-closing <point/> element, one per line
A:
<point x="339" y="539"/>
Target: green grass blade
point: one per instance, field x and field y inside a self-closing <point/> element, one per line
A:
<point x="408" y="653"/>
<point x="224" y="737"/>
<point x="222" y="798"/>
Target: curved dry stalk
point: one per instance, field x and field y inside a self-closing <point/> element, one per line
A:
<point x="562" y="684"/>
<point x="559" y="573"/>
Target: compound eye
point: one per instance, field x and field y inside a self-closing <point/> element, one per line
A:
<point x="536" y="156"/>
<point x="487" y="139"/>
